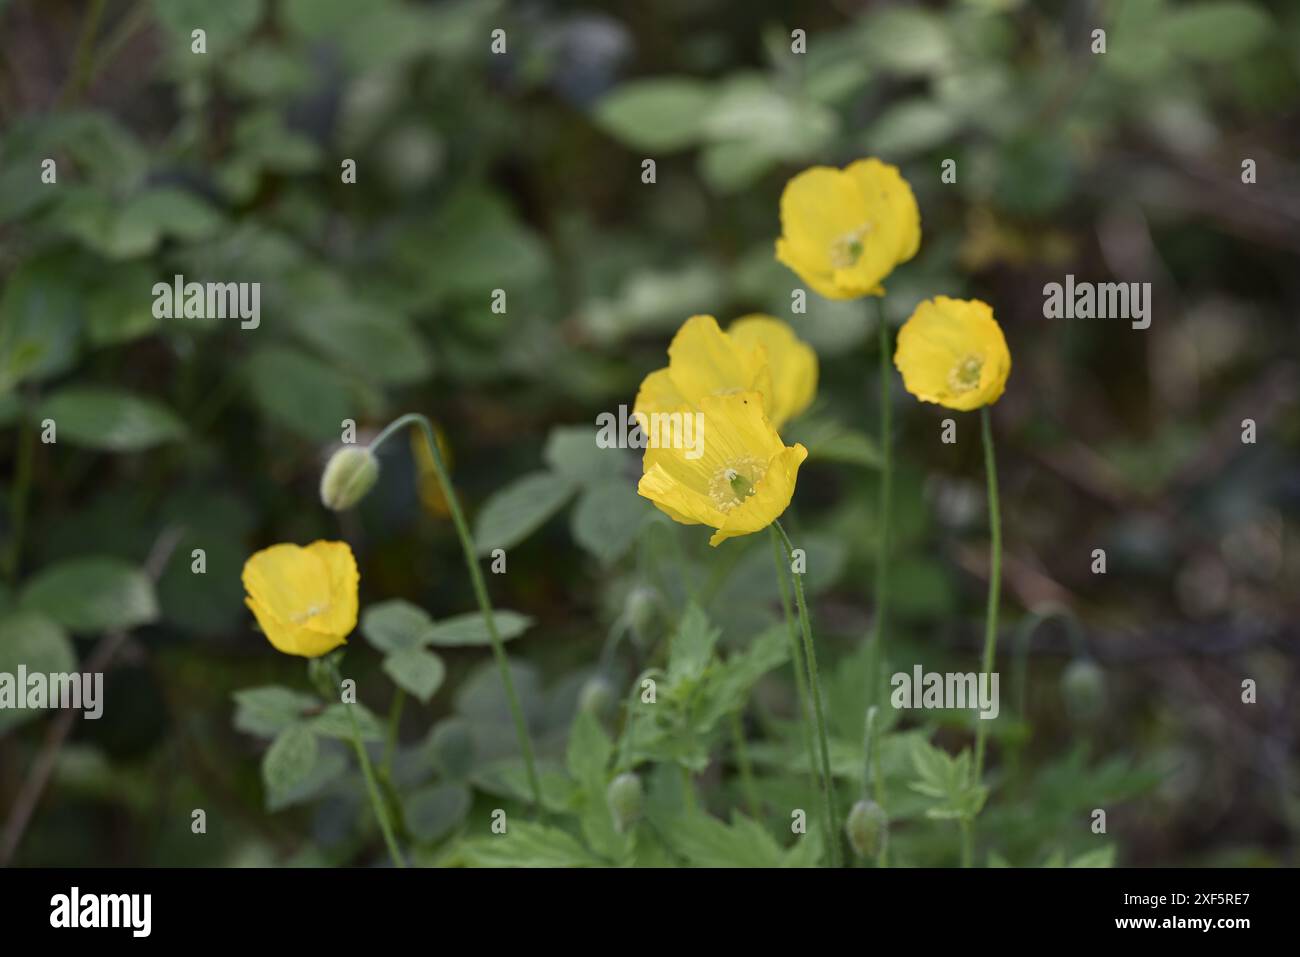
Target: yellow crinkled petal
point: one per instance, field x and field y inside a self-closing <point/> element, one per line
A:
<point x="704" y="361"/>
<point x="943" y="339"/>
<point x="657" y="394"/>
<point x="793" y="364"/>
<point x="868" y="205"/>
<point x="293" y="639"/>
<point x="305" y="599"/>
<point x="738" y="436"/>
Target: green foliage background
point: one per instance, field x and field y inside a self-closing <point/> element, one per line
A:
<point x="522" y="172"/>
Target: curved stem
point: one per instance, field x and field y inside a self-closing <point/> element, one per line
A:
<point x="376" y="802"/>
<point x="828" y="784"/>
<point x="886" y="490"/>
<point x="796" y="657"/>
<point x="480" y="589"/>
<point x="995" y="575"/>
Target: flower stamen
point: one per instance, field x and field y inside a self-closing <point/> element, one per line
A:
<point x="965" y="375"/>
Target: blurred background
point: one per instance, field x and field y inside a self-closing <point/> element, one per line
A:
<point x="522" y="171"/>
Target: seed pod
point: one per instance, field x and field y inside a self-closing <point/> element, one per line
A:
<point x="1083" y="685"/>
<point x="866" y="827"/>
<point x="349" y="475"/>
<point x="626" y="799"/>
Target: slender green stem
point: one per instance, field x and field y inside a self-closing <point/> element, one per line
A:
<point x="480" y="589"/>
<point x="828" y="783"/>
<point x="796" y="656"/>
<point x="22" y="486"/>
<point x="390" y="742"/>
<point x="995" y="575"/>
<point x="84" y="57"/>
<point x="376" y="801"/>
<point x="873" y="781"/>
<point x="886" y="490"/>
<point x="743" y="762"/>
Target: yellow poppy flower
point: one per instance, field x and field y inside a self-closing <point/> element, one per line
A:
<point x="757" y="354"/>
<point x="740" y="484"/>
<point x="952" y="352"/>
<point x="792" y="363"/>
<point x="305" y="599"/>
<point x="844" y="231"/>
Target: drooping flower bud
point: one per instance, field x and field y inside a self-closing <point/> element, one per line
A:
<point x="349" y="475"/>
<point x="1083" y="684"/>
<point x="626" y="799"/>
<point x="866" y="827"/>
<point x="596" y="696"/>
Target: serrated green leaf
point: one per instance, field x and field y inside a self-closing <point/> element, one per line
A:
<point x="419" y="671"/>
<point x="471" y="629"/>
<point x="268" y="710"/>
<point x="589" y="751"/>
<point x="334" y="722"/>
<point x="607" y="519"/>
<point x="395" y="625"/>
<point x="526" y="844"/>
<point x="289" y="760"/>
<point x="692" y="645"/>
<point x="519" y="509"/>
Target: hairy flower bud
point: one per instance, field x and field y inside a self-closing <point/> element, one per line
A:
<point x="626" y="798"/>
<point x="596" y="696"/>
<point x="1083" y="684"/>
<point x="866" y="827"/>
<point x="349" y="475"/>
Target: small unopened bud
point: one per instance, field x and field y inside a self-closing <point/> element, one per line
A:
<point x="1083" y="685"/>
<point x="626" y="799"/>
<point x="639" y="608"/>
<point x="596" y="696"/>
<point x="349" y="475"/>
<point x="866" y="827"/>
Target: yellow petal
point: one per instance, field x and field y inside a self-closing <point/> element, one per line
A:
<point x="741" y="481"/>
<point x="704" y="361"/>
<point x="793" y="364"/>
<point x="657" y="394"/>
<point x="305" y="599"/>
<point x="952" y="352"/>
<point x="844" y="231"/>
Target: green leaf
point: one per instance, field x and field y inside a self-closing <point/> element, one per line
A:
<point x="471" y="629"/>
<point x="908" y="40"/>
<point x="93" y="594"/>
<point x="589" y="752"/>
<point x="692" y="646"/>
<point x="299" y="393"/>
<point x="37" y="642"/>
<point x="1215" y="31"/>
<point x="334" y="722"/>
<point x="395" y="625"/>
<point x="909" y="128"/>
<point x="526" y="844"/>
<point x="268" y="710"/>
<point x="225" y="23"/>
<point x="664" y="113"/>
<point x="572" y="451"/>
<point x="607" y="518"/>
<point x="433" y="812"/>
<point x="289" y="760"/>
<point x="110" y="420"/>
<point x="419" y="671"/>
<point x="707" y="842"/>
<point x="519" y="509"/>
<point x="41" y="314"/>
